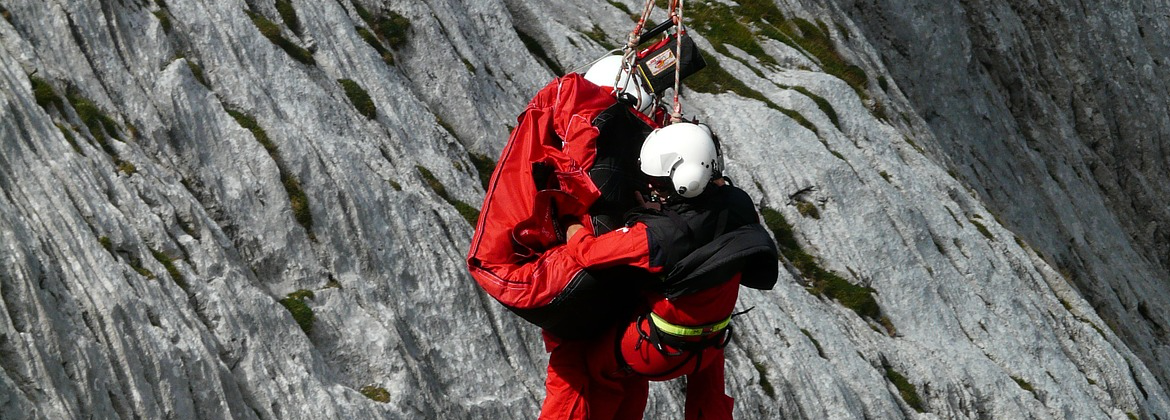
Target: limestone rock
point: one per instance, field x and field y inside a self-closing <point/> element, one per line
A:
<point x="201" y="218"/>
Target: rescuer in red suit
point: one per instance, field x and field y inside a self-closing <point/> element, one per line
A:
<point x="700" y="237"/>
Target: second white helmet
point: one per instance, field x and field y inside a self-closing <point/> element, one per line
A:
<point x="684" y="152"/>
<point x="605" y="73"/>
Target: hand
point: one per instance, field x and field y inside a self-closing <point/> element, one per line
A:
<point x="646" y="204"/>
<point x="572" y="229"/>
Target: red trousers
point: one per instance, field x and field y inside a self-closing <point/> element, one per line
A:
<point x="586" y="381"/>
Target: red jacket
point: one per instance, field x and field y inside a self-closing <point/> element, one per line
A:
<point x="514" y="254"/>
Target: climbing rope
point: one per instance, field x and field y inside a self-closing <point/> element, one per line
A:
<point x="676" y="14"/>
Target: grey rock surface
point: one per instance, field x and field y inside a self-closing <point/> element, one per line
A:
<point x="170" y="175"/>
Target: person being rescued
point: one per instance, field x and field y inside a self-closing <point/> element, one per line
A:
<point x="659" y="289"/>
<point x="699" y="235"/>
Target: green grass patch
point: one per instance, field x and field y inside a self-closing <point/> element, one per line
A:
<point x="100" y="125"/>
<point x="907" y="390"/>
<point x="272" y="31"/>
<point x="298" y="200"/>
<point x="372" y="39"/>
<point x="740" y="26"/>
<point x="391" y="27"/>
<point x="822" y="282"/>
<point x="815" y="40"/>
<point x="714" y="79"/>
<point x="598" y="35"/>
<point x="98" y="122"/>
<point x="764" y="383"/>
<point x="822" y="103"/>
<point x="164" y="20"/>
<point x="169" y="264"/>
<point x="537" y="50"/>
<point x="817" y="344"/>
<point x="289" y="15"/>
<point x="807" y="209"/>
<point x="197" y="71"/>
<point x="982" y="229"/>
<point x="359" y="98"/>
<point x="484" y="166"/>
<point x="127" y="167"/>
<point x="722" y="25"/>
<point x="44" y="94"/>
<point x="468" y="212"/>
<point x="1024" y="385"/>
<point x="376" y="393"/>
<point x="301" y="312"/>
<point x="107" y="244"/>
<point x="69" y="138"/>
<point x="623" y="8"/>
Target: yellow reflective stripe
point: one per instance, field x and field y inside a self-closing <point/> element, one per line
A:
<point x="683" y="331"/>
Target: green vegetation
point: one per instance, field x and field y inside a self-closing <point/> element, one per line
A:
<point x="169" y="264"/>
<point x="107" y="244"/>
<point x="301" y="312"/>
<point x="623" y="8"/>
<point x="127" y="168"/>
<point x="359" y="98"/>
<point x="197" y="71"/>
<point x="740" y="26"/>
<point x="484" y="166"/>
<point x="722" y="26"/>
<point x="1024" y="384"/>
<point x="764" y="383"/>
<point x="817" y="344"/>
<point x="372" y="39"/>
<point x="298" y="200"/>
<point x="45" y="95"/>
<point x="537" y="50"/>
<point x="822" y="103"/>
<point x="447" y="127"/>
<point x="598" y="36"/>
<point x="69" y="138"/>
<point x="714" y="79"/>
<point x="100" y="125"/>
<point x="982" y="229"/>
<point x="807" y="209"/>
<point x="468" y="212"/>
<point x="376" y="393"/>
<point x="908" y="391"/>
<point x="272" y="31"/>
<point x="823" y="282"/>
<point x="164" y="20"/>
<point x="289" y="15"/>
<point x="137" y="266"/>
<point x="392" y="28"/>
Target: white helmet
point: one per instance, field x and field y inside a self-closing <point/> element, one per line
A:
<point x="685" y="153"/>
<point x="605" y="72"/>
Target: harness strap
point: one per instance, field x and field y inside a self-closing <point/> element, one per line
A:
<point x="686" y="331"/>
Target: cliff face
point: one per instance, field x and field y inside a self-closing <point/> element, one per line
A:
<point x="229" y="209"/>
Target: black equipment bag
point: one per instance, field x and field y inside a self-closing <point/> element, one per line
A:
<point x="656" y="65"/>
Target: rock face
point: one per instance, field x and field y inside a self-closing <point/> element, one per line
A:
<point x="230" y="209"/>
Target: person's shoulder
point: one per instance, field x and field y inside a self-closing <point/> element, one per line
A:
<point x="732" y="194"/>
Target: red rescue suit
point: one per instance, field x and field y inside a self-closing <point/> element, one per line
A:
<point x="700" y="247"/>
